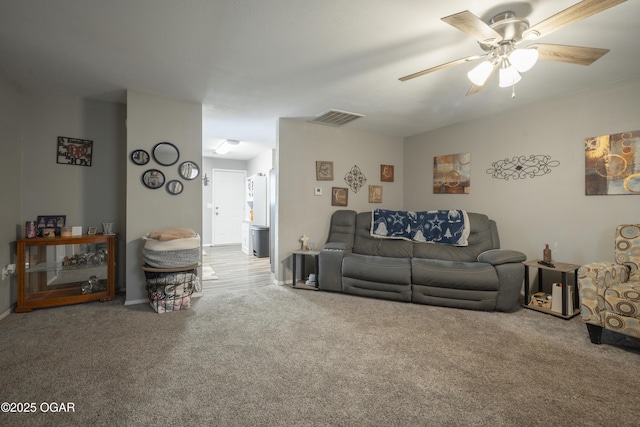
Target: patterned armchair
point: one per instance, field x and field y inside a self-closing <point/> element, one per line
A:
<point x="610" y="292"/>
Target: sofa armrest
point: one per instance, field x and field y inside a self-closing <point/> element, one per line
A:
<point x="593" y="281"/>
<point x="336" y="246"/>
<point x="330" y="264"/>
<point x="501" y="256"/>
<point x="598" y="276"/>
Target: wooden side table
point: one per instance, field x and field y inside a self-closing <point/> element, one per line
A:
<point x="300" y="283"/>
<point x="563" y="268"/>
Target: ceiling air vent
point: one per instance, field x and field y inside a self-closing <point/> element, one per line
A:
<point x="336" y="118"/>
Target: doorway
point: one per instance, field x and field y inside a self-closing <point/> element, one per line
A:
<point x="228" y="206"/>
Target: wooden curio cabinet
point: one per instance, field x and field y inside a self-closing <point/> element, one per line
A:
<point x="65" y="270"/>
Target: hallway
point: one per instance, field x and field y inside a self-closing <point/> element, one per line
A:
<point x="234" y="270"/>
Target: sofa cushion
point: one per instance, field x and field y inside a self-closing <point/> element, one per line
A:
<point x="480" y="240"/>
<point x="377" y="277"/>
<point x="378" y="269"/>
<point x="454" y="274"/>
<point x="366" y="245"/>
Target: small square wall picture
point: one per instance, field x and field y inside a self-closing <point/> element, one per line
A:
<point x="339" y="196"/>
<point x="324" y="170"/>
<point x="612" y="164"/>
<point x="386" y="173"/>
<point x="375" y="194"/>
<point x="452" y="174"/>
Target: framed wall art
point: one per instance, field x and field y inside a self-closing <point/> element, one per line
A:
<point x="611" y="165"/>
<point x="386" y="173"/>
<point x="452" y="174"/>
<point x="339" y="196"/>
<point x="375" y="194"/>
<point x="74" y="151"/>
<point x="324" y="171"/>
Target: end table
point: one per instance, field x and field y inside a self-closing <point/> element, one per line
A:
<point x="563" y="268"/>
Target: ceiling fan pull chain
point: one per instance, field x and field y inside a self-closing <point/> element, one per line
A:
<point x="513" y="91"/>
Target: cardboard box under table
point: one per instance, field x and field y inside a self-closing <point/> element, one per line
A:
<point x="170" y="289"/>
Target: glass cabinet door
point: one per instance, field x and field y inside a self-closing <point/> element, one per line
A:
<point x="58" y="271"/>
<point x="65" y="270"/>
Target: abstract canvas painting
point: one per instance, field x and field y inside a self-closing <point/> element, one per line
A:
<point x="452" y="174"/>
<point x="612" y="164"/>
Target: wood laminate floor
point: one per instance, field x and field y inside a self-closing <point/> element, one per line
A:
<point x="234" y="270"/>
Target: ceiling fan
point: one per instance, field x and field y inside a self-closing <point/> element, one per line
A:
<point x="505" y="31"/>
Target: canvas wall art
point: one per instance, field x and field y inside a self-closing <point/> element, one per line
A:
<point x="452" y="174"/>
<point x="612" y="164"/>
<point x="74" y="151"/>
<point x="375" y="194"/>
<point x="339" y="196"/>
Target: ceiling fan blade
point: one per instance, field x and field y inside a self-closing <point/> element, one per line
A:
<point x="477" y="89"/>
<point x="571" y="54"/>
<point x="440" y="67"/>
<point x="469" y="23"/>
<point x="571" y="15"/>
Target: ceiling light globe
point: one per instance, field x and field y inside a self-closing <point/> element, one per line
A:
<point x="509" y="76"/>
<point x="523" y="59"/>
<point x="480" y="73"/>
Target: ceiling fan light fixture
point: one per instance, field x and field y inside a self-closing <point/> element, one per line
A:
<point x="480" y="73"/>
<point x="523" y="59"/>
<point x="509" y="76"/>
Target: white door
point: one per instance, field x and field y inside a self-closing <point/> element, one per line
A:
<point x="228" y="206"/>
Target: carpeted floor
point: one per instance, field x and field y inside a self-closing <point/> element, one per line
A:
<point x="275" y="356"/>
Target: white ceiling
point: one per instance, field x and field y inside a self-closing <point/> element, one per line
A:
<point x="250" y="62"/>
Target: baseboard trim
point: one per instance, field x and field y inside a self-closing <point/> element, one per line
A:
<point x="136" y="301"/>
<point x="5" y="314"/>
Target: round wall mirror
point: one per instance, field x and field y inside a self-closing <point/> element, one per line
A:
<point x="189" y="170"/>
<point x="174" y="187"/>
<point x="140" y="157"/>
<point x="166" y="153"/>
<point x="153" y="179"/>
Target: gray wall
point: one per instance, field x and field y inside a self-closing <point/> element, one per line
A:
<point x="549" y="209"/>
<point x="10" y="174"/>
<point x="150" y="120"/>
<point x="300" y="145"/>
<point x="88" y="196"/>
<point x="30" y="124"/>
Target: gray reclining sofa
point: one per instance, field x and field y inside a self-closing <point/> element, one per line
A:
<point x="479" y="276"/>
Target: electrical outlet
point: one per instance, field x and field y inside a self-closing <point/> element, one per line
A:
<point x="317" y="191"/>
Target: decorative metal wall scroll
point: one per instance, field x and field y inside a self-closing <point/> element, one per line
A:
<point x="355" y="179"/>
<point x="521" y="167"/>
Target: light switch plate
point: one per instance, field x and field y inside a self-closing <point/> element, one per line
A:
<point x="317" y="191"/>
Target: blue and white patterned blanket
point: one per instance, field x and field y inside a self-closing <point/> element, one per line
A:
<point x="443" y="226"/>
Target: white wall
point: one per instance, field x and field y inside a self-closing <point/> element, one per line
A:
<point x="10" y="171"/>
<point x="261" y="164"/>
<point x="300" y="145"/>
<point x="547" y="209"/>
<point x="151" y="120"/>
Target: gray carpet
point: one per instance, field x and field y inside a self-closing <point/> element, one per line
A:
<point x="276" y="356"/>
